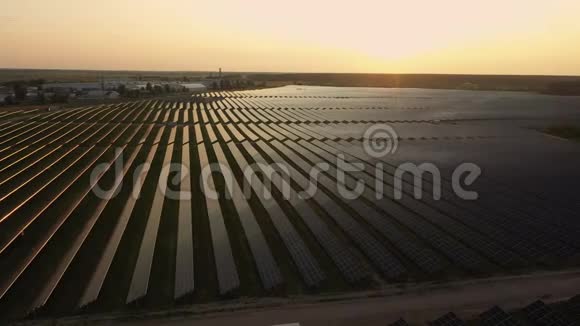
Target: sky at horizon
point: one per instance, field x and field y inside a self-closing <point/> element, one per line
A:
<point x="367" y="36"/>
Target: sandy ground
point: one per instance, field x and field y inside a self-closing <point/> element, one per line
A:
<point x="417" y="304"/>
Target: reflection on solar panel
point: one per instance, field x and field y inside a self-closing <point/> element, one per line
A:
<point x="301" y="255"/>
<point x="75" y="246"/>
<point x="95" y="284"/>
<point x="224" y="260"/>
<point x="184" y="265"/>
<point x="385" y="261"/>
<point x="339" y="252"/>
<point x="267" y="267"/>
<point x="140" y="280"/>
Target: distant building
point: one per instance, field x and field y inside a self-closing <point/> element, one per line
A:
<point x="469" y="86"/>
<point x="108" y="89"/>
<point x="4" y="93"/>
<point x="32" y="92"/>
<point x="132" y="86"/>
<point x="48" y="95"/>
<point x="112" y="95"/>
<point x="210" y="82"/>
<point x="71" y="87"/>
<point x="174" y="87"/>
<point x="99" y="94"/>
<point x="32" y="95"/>
<point x="194" y="87"/>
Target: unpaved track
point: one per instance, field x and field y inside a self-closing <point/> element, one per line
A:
<point x="417" y="304"/>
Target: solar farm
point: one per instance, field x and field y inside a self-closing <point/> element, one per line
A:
<point x="66" y="250"/>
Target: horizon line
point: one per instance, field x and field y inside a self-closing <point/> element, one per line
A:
<point x="290" y="72"/>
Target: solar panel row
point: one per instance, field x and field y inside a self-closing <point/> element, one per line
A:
<point x="46" y="155"/>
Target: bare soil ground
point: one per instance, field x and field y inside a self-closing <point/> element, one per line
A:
<point x="416" y="303"/>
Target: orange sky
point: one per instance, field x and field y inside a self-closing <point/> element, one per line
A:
<point x="412" y="36"/>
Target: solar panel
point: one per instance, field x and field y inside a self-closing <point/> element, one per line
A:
<point x="497" y="317"/>
<point x="450" y="319"/>
<point x="265" y="263"/>
<point x="352" y="271"/>
<point x="223" y="116"/>
<point x="241" y="114"/>
<point x="232" y="117"/>
<point x="213" y="116"/>
<point x="400" y="322"/>
<point x="309" y="269"/>
<point x="376" y="252"/>
<point x="341" y="254"/>
<point x="184" y="265"/>
<point x="270" y="130"/>
<point x="140" y="280"/>
<point x="572" y="308"/>
<point x="257" y="130"/>
<point x="541" y="314"/>
<point x="227" y="273"/>
<point x="204" y="116"/>
<point x="94" y="286"/>
<point x="223" y="133"/>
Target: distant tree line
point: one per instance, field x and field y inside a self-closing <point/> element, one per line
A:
<point x="20" y="89"/>
<point x="564" y="88"/>
<point x="230" y="84"/>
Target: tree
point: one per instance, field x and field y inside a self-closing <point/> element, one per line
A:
<point x="121" y="89"/>
<point x="9" y="99"/>
<point x="41" y="98"/>
<point x="19" y="91"/>
<point x="132" y="93"/>
<point x="149" y="87"/>
<point x="36" y="82"/>
<point x="157" y="89"/>
<point x="60" y="98"/>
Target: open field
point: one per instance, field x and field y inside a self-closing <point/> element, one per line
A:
<point x="64" y="250"/>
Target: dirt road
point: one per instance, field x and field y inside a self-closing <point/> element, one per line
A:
<point x="416" y="304"/>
